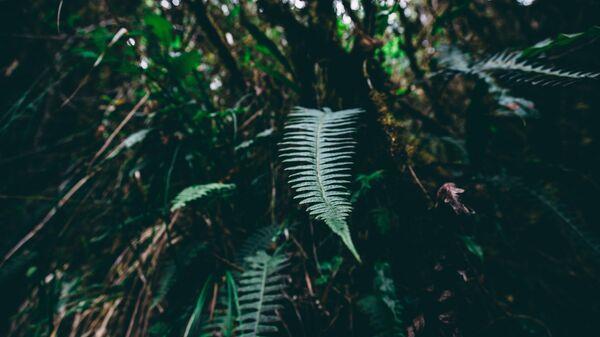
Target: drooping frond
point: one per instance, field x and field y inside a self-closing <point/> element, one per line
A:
<point x="453" y="60"/>
<point x="198" y="191"/>
<point x="317" y="149"/>
<point x="260" y="291"/>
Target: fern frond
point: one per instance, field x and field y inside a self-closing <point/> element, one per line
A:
<point x="453" y="60"/>
<point x="259" y="292"/>
<point x="197" y="192"/>
<point x="317" y="149"/>
<point x="520" y="69"/>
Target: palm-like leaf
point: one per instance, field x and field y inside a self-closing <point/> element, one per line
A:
<point x="259" y="292"/>
<point x="317" y="149"/>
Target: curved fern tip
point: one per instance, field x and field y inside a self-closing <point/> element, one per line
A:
<point x="348" y="242"/>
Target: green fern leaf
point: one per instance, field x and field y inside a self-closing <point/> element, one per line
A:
<point x="259" y="292"/>
<point x="317" y="149"/>
<point x="197" y="192"/>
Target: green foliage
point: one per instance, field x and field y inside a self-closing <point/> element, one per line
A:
<point x="193" y="326"/>
<point x="196" y="192"/>
<point x="365" y="182"/>
<point x="383" y="308"/>
<point x="383" y="219"/>
<point x="226" y="311"/>
<point x="222" y="318"/>
<point x="317" y="149"/>
<point x="473" y="246"/>
<point x="160" y="27"/>
<point x="260" y="292"/>
<point x="562" y="41"/>
<point x="185" y="63"/>
<point x="328" y="269"/>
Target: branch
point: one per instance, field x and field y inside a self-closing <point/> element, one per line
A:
<point x="276" y="13"/>
<point x="410" y="50"/>
<point x="352" y="15"/>
<point x="215" y="37"/>
<point x="323" y="21"/>
<point x="300" y="41"/>
<point x="262" y="39"/>
<point x="369" y="20"/>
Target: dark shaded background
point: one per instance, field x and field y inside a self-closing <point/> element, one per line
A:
<point x="533" y="182"/>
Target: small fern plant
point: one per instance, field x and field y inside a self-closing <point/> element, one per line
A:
<point x="317" y="149"/>
<point x="196" y="192"/>
<point x="259" y="293"/>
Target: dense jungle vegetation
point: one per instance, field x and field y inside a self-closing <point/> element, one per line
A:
<point x="299" y="168"/>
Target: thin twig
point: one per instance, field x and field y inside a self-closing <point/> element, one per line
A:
<point x="120" y="127"/>
<point x="418" y="182"/>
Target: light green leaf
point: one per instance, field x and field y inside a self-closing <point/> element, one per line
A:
<point x="197" y="192"/>
<point x="317" y="150"/>
<point x="473" y="246"/>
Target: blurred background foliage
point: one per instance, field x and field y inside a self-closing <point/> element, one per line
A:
<point x="109" y="109"/>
